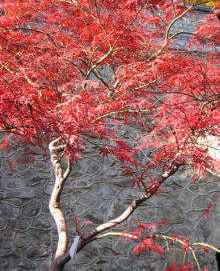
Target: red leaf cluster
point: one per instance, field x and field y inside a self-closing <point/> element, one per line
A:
<point x="52" y="62"/>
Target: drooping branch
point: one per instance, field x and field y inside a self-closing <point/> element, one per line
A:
<point x="159" y="236"/>
<point x="32" y="30"/>
<point x="175" y="239"/>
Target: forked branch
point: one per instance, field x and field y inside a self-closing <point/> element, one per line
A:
<point x="62" y="256"/>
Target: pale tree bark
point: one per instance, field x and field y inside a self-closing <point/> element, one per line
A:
<point x="54" y="205"/>
<point x="131" y="208"/>
<point x="62" y="256"/>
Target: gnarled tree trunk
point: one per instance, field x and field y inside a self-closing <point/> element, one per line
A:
<point x="62" y="256"/>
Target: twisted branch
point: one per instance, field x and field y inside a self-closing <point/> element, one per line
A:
<point x="54" y="205"/>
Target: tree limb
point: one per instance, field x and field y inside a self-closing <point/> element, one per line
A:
<point x="62" y="257"/>
<point x="124" y="216"/>
<point x="54" y="204"/>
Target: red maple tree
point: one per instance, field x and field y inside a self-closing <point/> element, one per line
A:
<point x="54" y="90"/>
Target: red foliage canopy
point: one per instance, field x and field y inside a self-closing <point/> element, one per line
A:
<point x="52" y="62"/>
